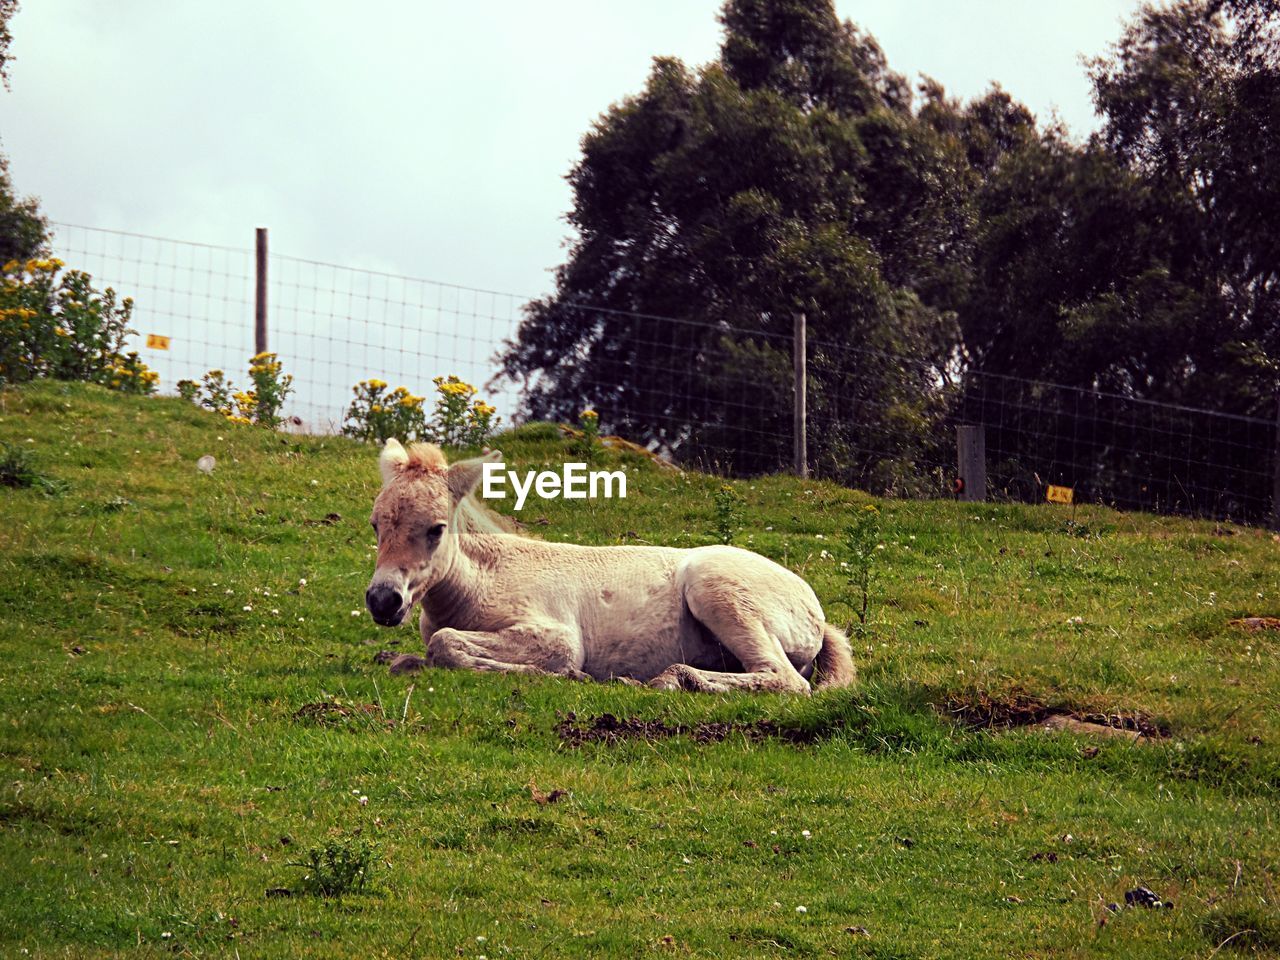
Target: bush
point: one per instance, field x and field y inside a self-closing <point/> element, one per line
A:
<point x="459" y="419"/>
<point x="61" y="327"/>
<point x="261" y="405"/>
<point x="378" y="414"/>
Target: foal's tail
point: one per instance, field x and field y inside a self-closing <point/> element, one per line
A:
<point x="835" y="660"/>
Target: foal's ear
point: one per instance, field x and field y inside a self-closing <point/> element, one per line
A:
<point x="392" y="458"/>
<point x="465" y="474"/>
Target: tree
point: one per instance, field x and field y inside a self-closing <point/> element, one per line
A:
<point x="1191" y="97"/>
<point x="24" y="232"/>
<point x="7" y="9"/>
<point x="789" y="175"/>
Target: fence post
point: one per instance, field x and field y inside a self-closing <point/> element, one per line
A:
<point x="1275" y="475"/>
<point x="799" y="427"/>
<point x="971" y="460"/>
<point x="260" y="294"/>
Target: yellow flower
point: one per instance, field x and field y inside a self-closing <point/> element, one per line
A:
<point x="589" y="415"/>
<point x="377" y="384"/>
<point x="60" y="332"/>
<point x="11" y="266"/>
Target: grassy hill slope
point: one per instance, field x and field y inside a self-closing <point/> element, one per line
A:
<point x="189" y="703"/>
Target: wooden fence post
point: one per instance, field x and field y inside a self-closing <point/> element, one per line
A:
<point x="260" y="294"/>
<point x="799" y="427"/>
<point x="971" y="461"/>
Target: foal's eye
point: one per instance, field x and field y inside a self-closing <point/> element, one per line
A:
<point x="436" y="532"/>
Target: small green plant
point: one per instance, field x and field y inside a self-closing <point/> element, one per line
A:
<point x="728" y="513"/>
<point x="862" y="540"/>
<point x="377" y="413"/>
<point x="337" y="867"/>
<point x="18" y="469"/>
<point x="189" y="390"/>
<point x="587" y="446"/>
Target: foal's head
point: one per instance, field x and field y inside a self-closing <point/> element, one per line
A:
<point x="416" y="515"/>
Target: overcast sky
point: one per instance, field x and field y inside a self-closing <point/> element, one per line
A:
<point x="422" y="138"/>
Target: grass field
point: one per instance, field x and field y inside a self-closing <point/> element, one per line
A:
<point x="182" y="718"/>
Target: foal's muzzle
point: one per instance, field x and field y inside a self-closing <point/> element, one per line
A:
<point x="386" y="604"/>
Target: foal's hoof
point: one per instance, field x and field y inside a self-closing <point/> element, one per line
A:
<point x="407" y="663"/>
<point x="668" y="679"/>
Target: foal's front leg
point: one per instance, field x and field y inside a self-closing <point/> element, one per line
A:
<point x="524" y="648"/>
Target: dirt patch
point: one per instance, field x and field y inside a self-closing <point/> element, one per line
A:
<point x="608" y="729"/>
<point x="1255" y="624"/>
<point x="330" y="713"/>
<point x="982" y="712"/>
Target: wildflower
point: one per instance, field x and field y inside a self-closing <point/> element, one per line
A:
<point x="364" y="801"/>
<point x="302" y="582"/>
<point x="589" y="415"/>
<point x="355" y="613"/>
<point x="802" y="909"/>
<point x="248" y="607"/>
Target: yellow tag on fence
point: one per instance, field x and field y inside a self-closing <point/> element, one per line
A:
<point x="157" y="342"/>
<point x="1059" y="494"/>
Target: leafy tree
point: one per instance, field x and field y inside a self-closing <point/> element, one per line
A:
<point x="24" y="232"/>
<point x="771" y="181"/>
<point x="1190" y="95"/>
<point x="7" y="9"/>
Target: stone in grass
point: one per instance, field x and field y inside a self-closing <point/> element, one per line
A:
<point x="206" y="464"/>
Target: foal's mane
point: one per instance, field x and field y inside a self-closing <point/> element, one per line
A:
<point x="472" y="515"/>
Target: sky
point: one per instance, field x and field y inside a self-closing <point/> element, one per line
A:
<point x="422" y="139"/>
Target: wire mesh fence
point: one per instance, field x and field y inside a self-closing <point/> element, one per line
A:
<point x="712" y="394"/>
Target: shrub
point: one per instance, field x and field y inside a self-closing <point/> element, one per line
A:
<point x="377" y="413"/>
<point x="261" y="405"/>
<point x="61" y="327"/>
<point x="459" y="419"/>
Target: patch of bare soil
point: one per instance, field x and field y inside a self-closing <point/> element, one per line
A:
<point x="980" y="711"/>
<point x="329" y="713"/>
<point x="608" y="729"/>
<point x="1254" y="624"/>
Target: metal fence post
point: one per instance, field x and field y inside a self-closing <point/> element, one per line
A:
<point x="971" y="461"/>
<point x="799" y="427"/>
<point x="260" y="294"/>
<point x="1275" y="474"/>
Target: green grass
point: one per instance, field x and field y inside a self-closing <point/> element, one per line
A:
<point x="155" y="782"/>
